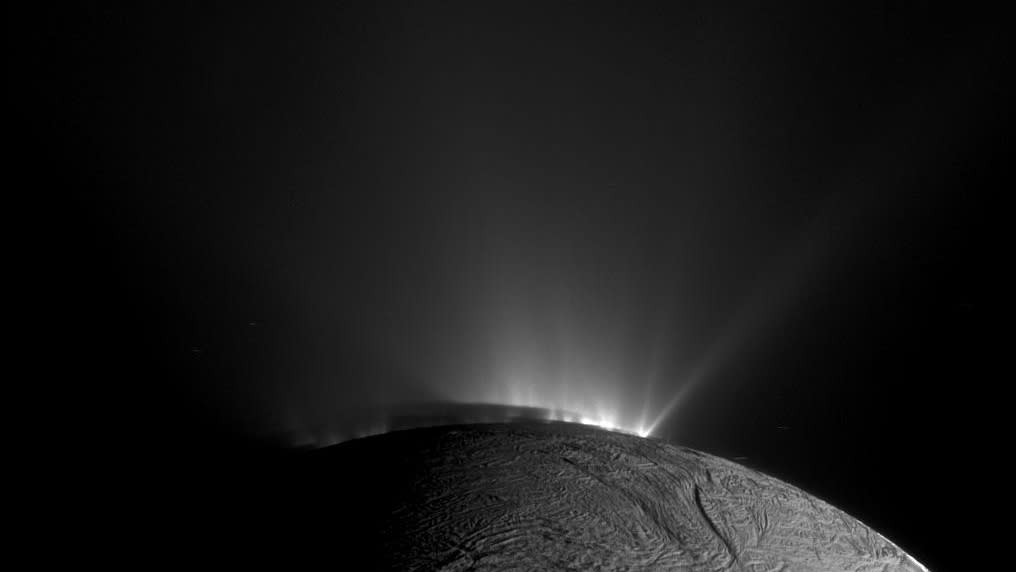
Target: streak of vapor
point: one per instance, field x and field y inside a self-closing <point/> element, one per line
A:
<point x="861" y="197"/>
<point x="764" y="307"/>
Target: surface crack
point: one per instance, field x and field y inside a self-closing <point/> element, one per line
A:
<point x="716" y="531"/>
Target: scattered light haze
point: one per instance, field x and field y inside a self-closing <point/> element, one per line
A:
<point x="757" y="231"/>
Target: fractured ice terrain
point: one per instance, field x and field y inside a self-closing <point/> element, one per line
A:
<point x="533" y="496"/>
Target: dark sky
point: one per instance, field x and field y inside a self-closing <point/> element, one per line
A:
<point x="282" y="213"/>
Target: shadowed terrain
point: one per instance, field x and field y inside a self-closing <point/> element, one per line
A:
<point x="365" y="421"/>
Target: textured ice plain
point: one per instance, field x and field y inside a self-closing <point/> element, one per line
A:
<point x="562" y="496"/>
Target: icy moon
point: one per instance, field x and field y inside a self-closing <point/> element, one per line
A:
<point x="554" y="496"/>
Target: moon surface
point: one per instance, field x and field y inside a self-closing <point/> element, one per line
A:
<point x="562" y="496"/>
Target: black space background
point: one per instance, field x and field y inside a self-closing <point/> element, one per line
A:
<point x="168" y="146"/>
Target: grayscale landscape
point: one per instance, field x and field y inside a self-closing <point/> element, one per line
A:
<point x="562" y="496"/>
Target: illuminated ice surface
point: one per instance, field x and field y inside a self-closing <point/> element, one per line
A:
<point x="539" y="496"/>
